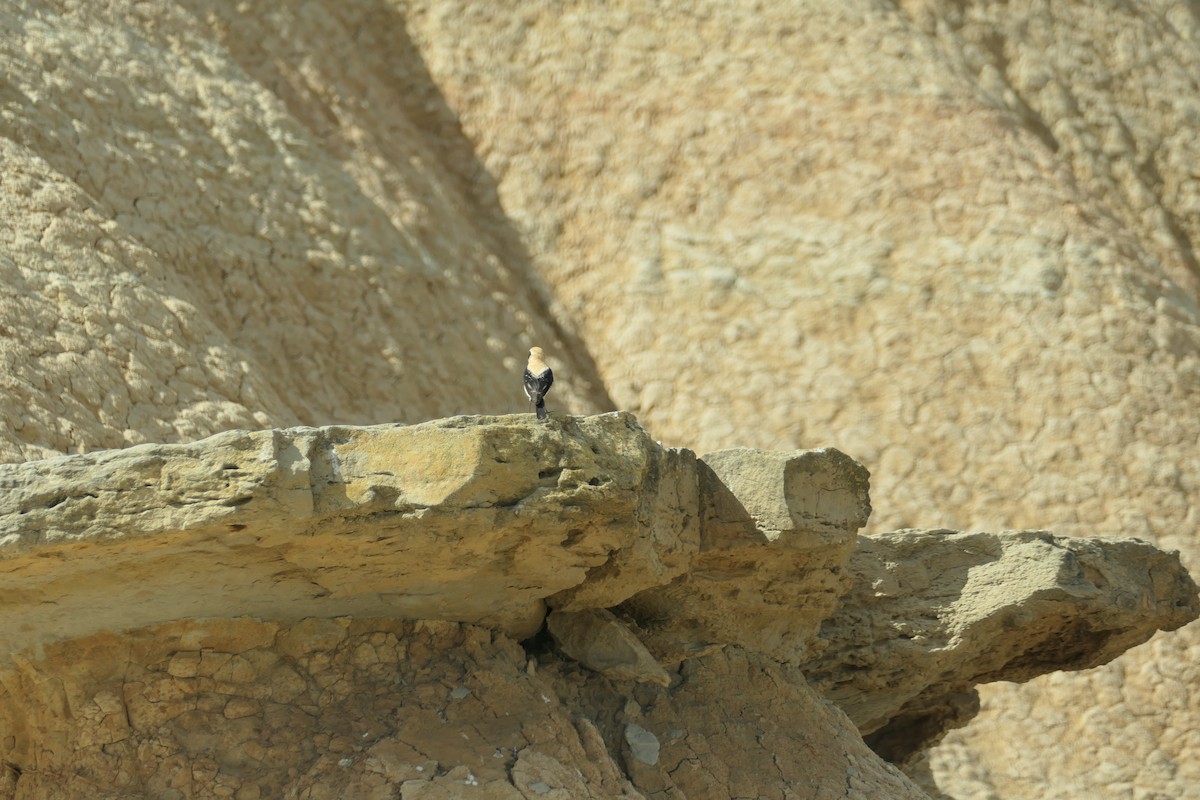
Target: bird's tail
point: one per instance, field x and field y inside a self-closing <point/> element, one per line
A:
<point x="541" y="408"/>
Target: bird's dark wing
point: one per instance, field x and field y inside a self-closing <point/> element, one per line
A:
<point x="537" y="385"/>
<point x="533" y="387"/>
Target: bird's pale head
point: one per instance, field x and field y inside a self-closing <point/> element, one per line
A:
<point x="537" y="363"/>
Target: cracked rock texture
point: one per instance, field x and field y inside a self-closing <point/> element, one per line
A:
<point x="776" y="533"/>
<point x="474" y="519"/>
<point x="294" y="607"/>
<point x="271" y="634"/>
<point x="379" y="709"/>
<point x="773" y="737"/>
<point x="322" y="708"/>
<point x="931" y="614"/>
<point x="956" y="241"/>
<point x="200" y="241"/>
<point x="601" y="642"/>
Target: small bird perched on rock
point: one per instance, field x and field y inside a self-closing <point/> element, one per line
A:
<point x="538" y="380"/>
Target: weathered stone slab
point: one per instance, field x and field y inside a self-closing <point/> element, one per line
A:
<point x="472" y="519"/>
<point x="776" y="531"/>
<point x="932" y="613"/>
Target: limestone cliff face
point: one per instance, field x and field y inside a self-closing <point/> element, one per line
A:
<point x="955" y="242"/>
<point x="335" y="612"/>
<point x="204" y="237"/>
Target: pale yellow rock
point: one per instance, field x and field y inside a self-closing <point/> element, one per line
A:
<point x="808" y="499"/>
<point x="74" y="724"/>
<point x="205" y="232"/>
<point x="473" y="519"/>
<point x="728" y="566"/>
<point x="956" y="241"/>
<point x="759" y="740"/>
<point x="395" y="725"/>
<point x="930" y="614"/>
<point x="600" y="641"/>
<point x="776" y="532"/>
<point x="940" y="237"/>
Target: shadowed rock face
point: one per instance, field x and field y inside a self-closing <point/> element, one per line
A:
<point x="340" y="708"/>
<point x="251" y="612"/>
<point x="955" y="240"/>
<point x="776" y="531"/>
<point x="598" y="640"/>
<point x="930" y="614"/>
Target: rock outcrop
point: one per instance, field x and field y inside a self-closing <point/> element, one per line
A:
<point x="367" y="708"/>
<point x="956" y="241"/>
<point x="475" y="520"/>
<point x="335" y="612"/>
<point x="200" y="239"/>
<point x="375" y="708"/>
<point x="596" y="638"/>
<point x="776" y="532"/>
<point x="931" y="614"/>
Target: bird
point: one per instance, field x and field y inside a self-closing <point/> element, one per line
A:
<point x="538" y="380"/>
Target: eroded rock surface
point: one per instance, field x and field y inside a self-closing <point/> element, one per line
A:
<point x="686" y="741"/>
<point x="601" y="642"/>
<point x="342" y="708"/>
<point x="270" y="634"/>
<point x="955" y="240"/>
<point x="471" y="519"/>
<point x="776" y="530"/>
<point x="369" y="708"/>
<point x="931" y="614"/>
<point x="202" y="235"/>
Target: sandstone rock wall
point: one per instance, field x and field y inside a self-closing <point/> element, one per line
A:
<point x="249" y="616"/>
<point x="468" y="519"/>
<point x="333" y="612"/>
<point x="254" y="709"/>
<point x="284" y="227"/>
<point x="369" y="708"/>
<point x="954" y="241"/>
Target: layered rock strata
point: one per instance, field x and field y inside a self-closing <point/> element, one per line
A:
<point x="470" y="519"/>
<point x="321" y="612"/>
<point x="776" y="531"/>
<point x="930" y="614"/>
